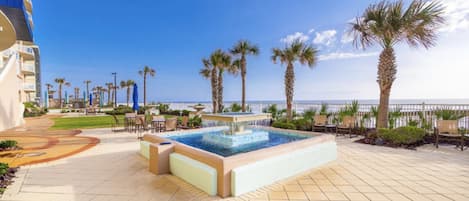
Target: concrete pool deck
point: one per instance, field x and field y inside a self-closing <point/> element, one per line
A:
<point x="113" y="170"/>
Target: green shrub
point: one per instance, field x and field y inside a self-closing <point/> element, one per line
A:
<point x="8" y="144"/>
<point x="303" y="124"/>
<point x="32" y="110"/>
<point x="284" y="125"/>
<point x="195" y="122"/>
<point x="3" y="168"/>
<point x="120" y="110"/>
<point x="448" y="114"/>
<point x="402" y="135"/>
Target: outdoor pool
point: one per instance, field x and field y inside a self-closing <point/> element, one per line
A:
<point x="272" y="138"/>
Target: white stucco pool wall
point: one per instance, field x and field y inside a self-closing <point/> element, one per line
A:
<point x="273" y="169"/>
<point x="249" y="171"/>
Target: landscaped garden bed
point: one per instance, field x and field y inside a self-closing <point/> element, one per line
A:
<point x="407" y="137"/>
<point x="6" y="176"/>
<point x="8" y="145"/>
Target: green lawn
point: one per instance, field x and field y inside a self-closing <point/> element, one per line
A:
<point x="84" y="122"/>
<point x="69" y="123"/>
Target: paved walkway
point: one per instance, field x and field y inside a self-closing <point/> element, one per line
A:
<point x="113" y="170"/>
<point x="40" y="144"/>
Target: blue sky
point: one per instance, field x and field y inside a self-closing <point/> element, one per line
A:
<point x="88" y="39"/>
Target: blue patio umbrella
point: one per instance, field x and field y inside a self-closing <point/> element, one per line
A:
<point x="135" y="98"/>
<point x="91" y="99"/>
<point x="46" y="99"/>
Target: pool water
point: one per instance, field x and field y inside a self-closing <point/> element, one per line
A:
<point x="275" y="138"/>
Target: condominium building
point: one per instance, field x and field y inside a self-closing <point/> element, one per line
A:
<point x="20" y="79"/>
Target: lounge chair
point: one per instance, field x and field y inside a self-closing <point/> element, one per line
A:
<point x="447" y="130"/>
<point x="346" y="126"/>
<point x="319" y="123"/>
<point x="171" y="124"/>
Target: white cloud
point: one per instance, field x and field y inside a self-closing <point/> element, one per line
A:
<point x="347" y="37"/>
<point x="456" y="15"/>
<point x="327" y="37"/>
<point x="345" y="55"/>
<point x="311" y="31"/>
<point x="296" y="36"/>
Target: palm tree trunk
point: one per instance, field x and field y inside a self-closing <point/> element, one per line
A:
<point x="108" y="96"/>
<point x="144" y="90"/>
<point x="220" y="91"/>
<point x="113" y="95"/>
<point x="243" y="81"/>
<point x="60" y="95"/>
<point x="128" y="95"/>
<point x="87" y="91"/>
<point x="214" y="90"/>
<point x="289" y="84"/>
<point x="387" y="70"/>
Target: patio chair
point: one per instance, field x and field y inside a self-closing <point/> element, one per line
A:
<point x="129" y="121"/>
<point x="158" y="123"/>
<point x="91" y="110"/>
<point x="140" y="124"/>
<point x="346" y="126"/>
<point x="319" y="123"/>
<point x="116" y="124"/>
<point x="184" y="123"/>
<point x="171" y="124"/>
<point x="447" y="130"/>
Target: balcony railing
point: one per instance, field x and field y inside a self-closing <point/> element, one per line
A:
<point x="28" y="68"/>
<point x="29" y="87"/>
<point x="30" y="18"/>
<point x="26" y="52"/>
<point x="29" y="5"/>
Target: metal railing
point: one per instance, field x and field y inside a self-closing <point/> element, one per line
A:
<point x="424" y="115"/>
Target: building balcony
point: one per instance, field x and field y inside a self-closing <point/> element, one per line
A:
<point x="28" y="4"/>
<point x="30" y="18"/>
<point x="26" y="52"/>
<point x="29" y="87"/>
<point x="7" y="32"/>
<point x="28" y="69"/>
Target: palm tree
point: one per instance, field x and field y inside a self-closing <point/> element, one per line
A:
<point x="127" y="84"/>
<point x="146" y="71"/>
<point x="297" y="51"/>
<point x="210" y="72"/>
<point x="114" y="91"/>
<point x="222" y="62"/>
<point x="242" y="49"/>
<point x="87" y="83"/>
<point x="97" y="92"/>
<point x="387" y="24"/>
<point x="61" y="82"/>
<point x="109" y="86"/>
<point x="77" y="93"/>
<point x="48" y="87"/>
